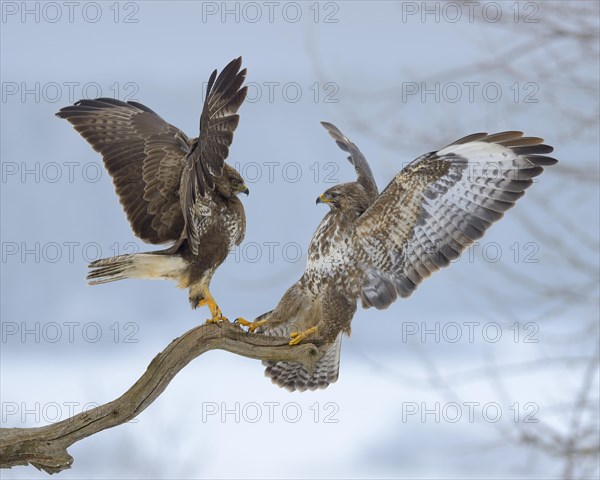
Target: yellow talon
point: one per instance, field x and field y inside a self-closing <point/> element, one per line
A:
<point x="297" y="337"/>
<point x="217" y="319"/>
<point x="252" y="326"/>
<point x="215" y="311"/>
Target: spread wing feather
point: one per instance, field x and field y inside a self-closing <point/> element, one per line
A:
<point x="162" y="177"/>
<point x="440" y="204"/>
<point x="218" y="121"/>
<point x="144" y="156"/>
<point x="356" y="158"/>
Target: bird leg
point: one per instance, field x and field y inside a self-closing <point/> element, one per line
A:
<point x="215" y="311"/>
<point x="252" y="326"/>
<point x="297" y="337"/>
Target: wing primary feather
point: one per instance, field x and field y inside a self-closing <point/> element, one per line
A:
<point x="442" y="209"/>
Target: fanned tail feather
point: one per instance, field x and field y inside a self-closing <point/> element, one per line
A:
<point x="139" y="265"/>
<point x="293" y="375"/>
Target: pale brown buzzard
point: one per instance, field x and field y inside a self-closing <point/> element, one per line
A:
<point x="378" y="247"/>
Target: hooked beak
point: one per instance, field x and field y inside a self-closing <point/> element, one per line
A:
<point x="245" y="190"/>
<point x="322" y="199"/>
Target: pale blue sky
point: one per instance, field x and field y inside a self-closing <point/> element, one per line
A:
<point x="352" y="73"/>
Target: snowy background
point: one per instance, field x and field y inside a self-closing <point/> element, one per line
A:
<point x="488" y="370"/>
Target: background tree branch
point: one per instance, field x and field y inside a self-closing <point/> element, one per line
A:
<point x="46" y="447"/>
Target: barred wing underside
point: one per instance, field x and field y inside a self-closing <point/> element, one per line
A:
<point x="440" y="204"/>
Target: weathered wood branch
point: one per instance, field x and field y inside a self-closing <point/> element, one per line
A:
<point x="46" y="447"/>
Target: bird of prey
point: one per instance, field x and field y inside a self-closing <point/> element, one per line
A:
<point x="172" y="188"/>
<point x="378" y="247"/>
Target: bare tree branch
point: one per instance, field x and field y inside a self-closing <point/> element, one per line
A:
<point x="46" y="447"/>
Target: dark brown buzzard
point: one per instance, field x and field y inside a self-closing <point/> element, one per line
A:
<point x="172" y="188"/>
<point x="378" y="247"/>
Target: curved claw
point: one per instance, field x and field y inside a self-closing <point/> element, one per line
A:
<point x="297" y="337"/>
<point x="252" y="326"/>
<point x="217" y="319"/>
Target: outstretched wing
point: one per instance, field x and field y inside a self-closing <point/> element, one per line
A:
<point x="218" y="121"/>
<point x="356" y="158"/>
<point x="440" y="204"/>
<point x="145" y="157"/>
